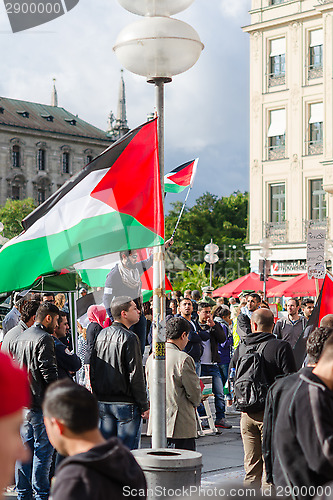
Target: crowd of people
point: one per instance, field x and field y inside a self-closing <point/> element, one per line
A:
<point x="86" y="407"/>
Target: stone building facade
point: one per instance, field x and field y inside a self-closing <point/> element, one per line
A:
<point x="41" y="146"/>
<point x="291" y="127"/>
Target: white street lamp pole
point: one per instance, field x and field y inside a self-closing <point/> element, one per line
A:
<point x="265" y="252"/>
<point x="158" y="47"/>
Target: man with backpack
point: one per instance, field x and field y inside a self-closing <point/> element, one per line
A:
<point x="258" y="360"/>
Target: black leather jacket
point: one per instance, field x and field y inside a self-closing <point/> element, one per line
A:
<point x="34" y="349"/>
<point x="116" y="370"/>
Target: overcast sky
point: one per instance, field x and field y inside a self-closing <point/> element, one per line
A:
<point x="206" y="108"/>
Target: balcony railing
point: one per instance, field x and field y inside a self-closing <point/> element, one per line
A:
<point x="315" y="72"/>
<point x="277" y="232"/>
<point x="315" y="224"/>
<point x="277" y="2"/>
<point x="315" y="147"/>
<point x="276" y="152"/>
<point x="276" y="80"/>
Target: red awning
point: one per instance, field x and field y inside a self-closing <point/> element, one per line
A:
<point x="249" y="282"/>
<point x="300" y="286"/>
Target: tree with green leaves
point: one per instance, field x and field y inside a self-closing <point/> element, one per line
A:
<point x="222" y="219"/>
<point x="12" y="213"/>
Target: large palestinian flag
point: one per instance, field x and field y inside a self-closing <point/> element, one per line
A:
<point x="181" y="177"/>
<point x="94" y="272"/>
<point x="323" y="306"/>
<point x="112" y="204"/>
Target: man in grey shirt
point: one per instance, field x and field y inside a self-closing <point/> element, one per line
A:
<point x="290" y="328"/>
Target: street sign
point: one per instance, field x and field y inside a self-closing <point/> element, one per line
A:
<point x="315" y="253"/>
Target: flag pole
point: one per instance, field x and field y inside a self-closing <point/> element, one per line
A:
<point x="317" y="288"/>
<point x="181" y="212"/>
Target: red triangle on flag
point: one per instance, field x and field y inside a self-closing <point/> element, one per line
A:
<point x="132" y="185"/>
<point x="183" y="177"/>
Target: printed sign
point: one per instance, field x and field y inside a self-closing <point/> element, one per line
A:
<point x="315" y="253"/>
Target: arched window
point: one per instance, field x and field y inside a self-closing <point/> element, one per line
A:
<point x="16" y="192"/>
<point x="41" y="159"/>
<point x="16" y="160"/>
<point x="41" y="195"/>
<point x="65" y="162"/>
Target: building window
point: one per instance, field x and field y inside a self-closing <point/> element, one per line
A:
<point x="41" y="157"/>
<point x="278" y="203"/>
<point x="315" y="140"/>
<point x="277" y="62"/>
<point x="318" y="200"/>
<point x="316" y="54"/>
<point x="89" y="158"/>
<point x="277" y="2"/>
<point x="65" y="162"/>
<point x="276" y="135"/>
<point x="16" y="192"/>
<point x="41" y="195"/>
<point x="16" y="157"/>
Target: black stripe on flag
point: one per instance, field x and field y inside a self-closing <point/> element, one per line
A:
<point x="104" y="161"/>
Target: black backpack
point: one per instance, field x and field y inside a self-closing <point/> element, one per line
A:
<point x="250" y="383"/>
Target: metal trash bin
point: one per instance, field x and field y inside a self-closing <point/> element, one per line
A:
<point x="167" y="470"/>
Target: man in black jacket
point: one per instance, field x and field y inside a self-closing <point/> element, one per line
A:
<point x="117" y="376"/>
<point x="94" y="468"/>
<point x="277" y="360"/>
<point x="303" y="442"/>
<point x="210" y="359"/>
<point x="34" y="349"/>
<point x="280" y="389"/>
<point x="68" y="362"/>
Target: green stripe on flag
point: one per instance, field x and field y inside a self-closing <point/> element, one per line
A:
<point x="22" y="262"/>
<point x="173" y="188"/>
<point x="94" y="277"/>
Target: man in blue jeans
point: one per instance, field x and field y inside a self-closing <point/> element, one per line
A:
<point x="210" y="359"/>
<point x="117" y="377"/>
<point x="34" y="349"/>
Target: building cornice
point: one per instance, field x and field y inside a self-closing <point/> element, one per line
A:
<point x="289" y="19"/>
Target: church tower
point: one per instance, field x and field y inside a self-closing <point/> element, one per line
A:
<point x="117" y="126"/>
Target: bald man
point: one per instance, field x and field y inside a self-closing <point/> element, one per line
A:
<point x="327" y="321"/>
<point x="276" y="358"/>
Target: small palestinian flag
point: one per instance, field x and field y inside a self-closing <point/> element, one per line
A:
<point x="181" y="177"/>
<point x="114" y="203"/>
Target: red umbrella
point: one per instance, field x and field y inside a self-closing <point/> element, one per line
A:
<point x="249" y="282"/>
<point x="300" y="286"/>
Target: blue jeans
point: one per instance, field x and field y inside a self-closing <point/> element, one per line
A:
<point x="122" y="420"/>
<point x="224" y="374"/>
<point x="32" y="478"/>
<point x="197" y="368"/>
<point x="217" y="386"/>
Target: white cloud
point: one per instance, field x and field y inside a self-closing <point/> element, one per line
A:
<point x="235" y="8"/>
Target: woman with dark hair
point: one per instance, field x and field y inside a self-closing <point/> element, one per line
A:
<point x="98" y="320"/>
